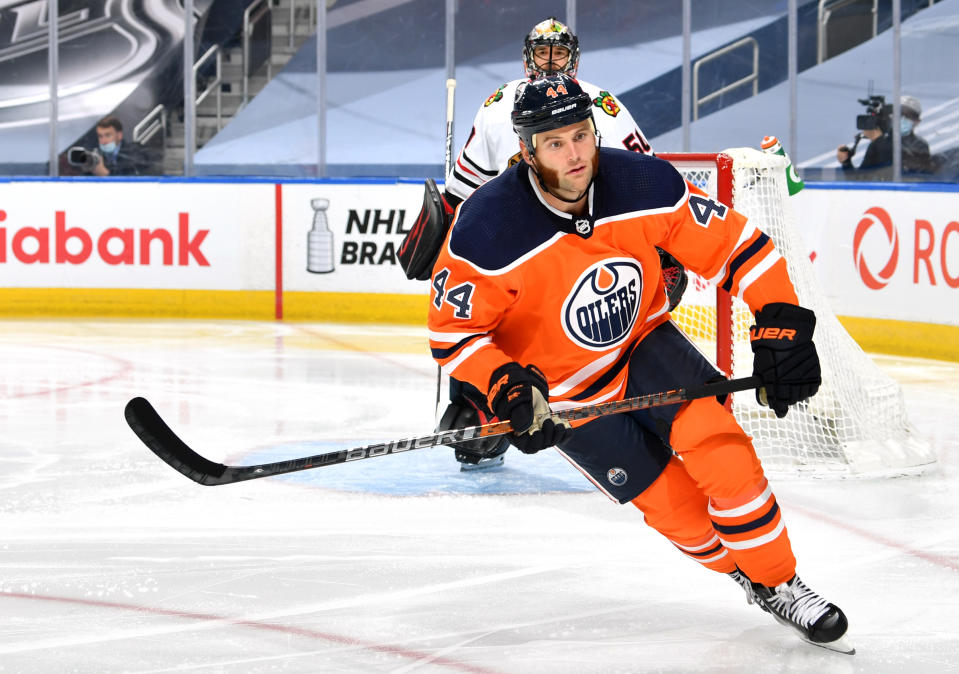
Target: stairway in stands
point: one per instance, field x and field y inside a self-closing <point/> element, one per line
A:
<point x="282" y="47"/>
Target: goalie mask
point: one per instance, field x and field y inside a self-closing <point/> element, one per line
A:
<point x="549" y="103"/>
<point x="551" y="33"/>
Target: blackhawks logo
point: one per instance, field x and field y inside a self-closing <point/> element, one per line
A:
<point x="606" y="101"/>
<point x="548" y="26"/>
<point x="497" y="95"/>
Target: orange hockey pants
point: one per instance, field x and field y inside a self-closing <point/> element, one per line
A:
<point x="713" y="502"/>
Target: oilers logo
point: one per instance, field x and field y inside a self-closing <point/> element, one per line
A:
<point x="601" y="309"/>
<point x="617" y="476"/>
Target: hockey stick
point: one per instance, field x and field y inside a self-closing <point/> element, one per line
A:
<point x="156" y="435"/>
<point x="447" y="165"/>
<point x="450" y="93"/>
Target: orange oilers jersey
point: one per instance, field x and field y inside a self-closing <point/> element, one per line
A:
<point x="518" y="280"/>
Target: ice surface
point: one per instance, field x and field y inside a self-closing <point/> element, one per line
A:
<point x="113" y="562"/>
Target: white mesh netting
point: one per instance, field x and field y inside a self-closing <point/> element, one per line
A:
<point x="856" y="424"/>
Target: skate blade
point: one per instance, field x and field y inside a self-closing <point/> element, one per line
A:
<point x="483" y="465"/>
<point x="838" y="646"/>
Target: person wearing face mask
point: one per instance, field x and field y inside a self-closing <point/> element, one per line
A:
<point x="118" y="157"/>
<point x="916" y="157"/>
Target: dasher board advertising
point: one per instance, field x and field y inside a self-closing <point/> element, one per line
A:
<point x="888" y="254"/>
<point x="100" y="234"/>
<point x="345" y="238"/>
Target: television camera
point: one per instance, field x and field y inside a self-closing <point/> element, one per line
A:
<point x="84" y="159"/>
<point x="878" y="116"/>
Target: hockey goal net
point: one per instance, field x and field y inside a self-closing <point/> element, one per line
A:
<point x="856" y="425"/>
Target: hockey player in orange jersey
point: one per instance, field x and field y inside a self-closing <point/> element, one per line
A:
<point x="548" y="294"/>
<point x="550" y="48"/>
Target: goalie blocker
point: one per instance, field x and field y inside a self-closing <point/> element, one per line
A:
<point x="421" y="247"/>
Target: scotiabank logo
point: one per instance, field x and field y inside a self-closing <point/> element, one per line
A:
<point x="114" y="246"/>
<point x="873" y="217"/>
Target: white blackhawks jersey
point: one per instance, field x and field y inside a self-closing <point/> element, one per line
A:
<point x="493" y="146"/>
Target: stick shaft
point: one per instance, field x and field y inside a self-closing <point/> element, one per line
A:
<point x="447" y="166"/>
<point x="450" y="97"/>
<point x="155" y="434"/>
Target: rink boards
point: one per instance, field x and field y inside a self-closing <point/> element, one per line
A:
<point x="887" y="256"/>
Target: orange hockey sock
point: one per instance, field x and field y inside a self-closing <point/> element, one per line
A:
<point x="675" y="507"/>
<point x="742" y="509"/>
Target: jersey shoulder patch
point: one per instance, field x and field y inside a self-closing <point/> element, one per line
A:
<point x="606" y="102"/>
<point x="495" y="96"/>
<point x="631" y="182"/>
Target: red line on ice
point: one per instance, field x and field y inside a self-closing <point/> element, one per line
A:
<point x="255" y="624"/>
<point x="125" y="367"/>
<point x="939" y="560"/>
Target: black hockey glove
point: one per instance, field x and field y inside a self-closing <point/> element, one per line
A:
<point x="421" y="247"/>
<point x="784" y="355"/>
<point x="520" y="394"/>
<point x="674" y="277"/>
<point x="462" y="413"/>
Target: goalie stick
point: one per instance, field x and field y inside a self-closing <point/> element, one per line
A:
<point x="447" y="166"/>
<point x="155" y="434"/>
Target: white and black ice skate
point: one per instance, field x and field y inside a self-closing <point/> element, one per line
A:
<point x="793" y="604"/>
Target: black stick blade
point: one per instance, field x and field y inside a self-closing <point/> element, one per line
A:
<point x="163" y="442"/>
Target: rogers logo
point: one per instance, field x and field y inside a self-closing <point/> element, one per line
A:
<point x="872" y="217"/>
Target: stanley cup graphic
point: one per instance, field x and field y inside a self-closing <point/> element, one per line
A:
<point x="319" y="240"/>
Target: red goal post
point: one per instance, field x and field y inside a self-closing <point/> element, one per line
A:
<point x="697" y="167"/>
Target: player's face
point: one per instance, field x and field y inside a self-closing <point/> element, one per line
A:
<point x="567" y="158"/>
<point x="550" y="59"/>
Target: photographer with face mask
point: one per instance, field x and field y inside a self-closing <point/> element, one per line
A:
<point x="113" y="155"/>
<point x="875" y="126"/>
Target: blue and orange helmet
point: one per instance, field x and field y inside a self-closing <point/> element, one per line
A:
<point x="548" y="103"/>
